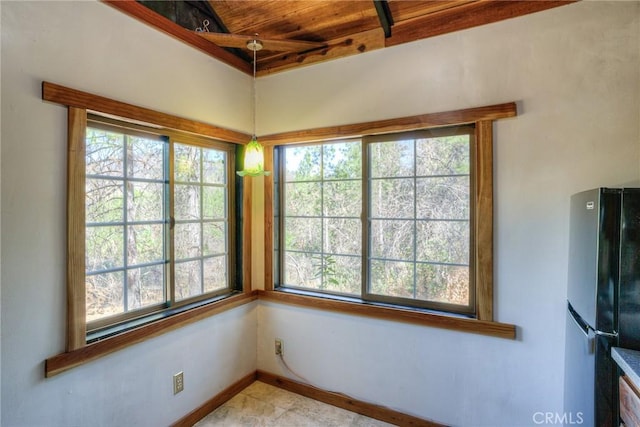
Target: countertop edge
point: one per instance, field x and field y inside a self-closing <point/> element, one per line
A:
<point x="629" y="362"/>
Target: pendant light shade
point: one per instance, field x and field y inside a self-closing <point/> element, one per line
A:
<point x="253" y="152"/>
<point x="253" y="159"/>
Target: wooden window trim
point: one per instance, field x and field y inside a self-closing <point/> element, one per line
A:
<point x="483" y="118"/>
<point x="127" y="112"/>
<point x="396" y="314"/>
<point x="76" y="298"/>
<point x="422" y="121"/>
<point x="77" y="350"/>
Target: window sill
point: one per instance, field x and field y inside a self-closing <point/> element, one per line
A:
<point x="146" y="320"/>
<point x="65" y="361"/>
<point x="418" y="317"/>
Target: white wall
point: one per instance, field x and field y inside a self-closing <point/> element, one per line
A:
<point x="93" y="47"/>
<point x="575" y="73"/>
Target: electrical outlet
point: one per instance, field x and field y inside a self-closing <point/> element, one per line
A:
<point x="178" y="383"/>
<point x="279" y="347"/>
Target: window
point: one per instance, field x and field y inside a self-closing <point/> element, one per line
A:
<point x="385" y="219"/>
<point x="321" y="228"/>
<point x="159" y="221"/>
<point x="155" y="233"/>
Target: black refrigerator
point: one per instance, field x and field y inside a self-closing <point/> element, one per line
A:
<point x="603" y="307"/>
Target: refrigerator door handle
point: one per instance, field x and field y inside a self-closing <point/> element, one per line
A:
<point x="585" y="327"/>
<point x="613" y="334"/>
<point x="579" y="321"/>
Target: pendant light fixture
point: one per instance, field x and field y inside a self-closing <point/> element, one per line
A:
<point x="253" y="152"/>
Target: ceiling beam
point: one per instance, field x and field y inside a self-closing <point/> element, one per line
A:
<point x="465" y="16"/>
<point x="344" y="46"/>
<point x="384" y="15"/>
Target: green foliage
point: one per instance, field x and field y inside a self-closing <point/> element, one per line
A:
<point x="324" y="266"/>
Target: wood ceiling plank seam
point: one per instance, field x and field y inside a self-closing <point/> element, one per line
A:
<point x="313" y="20"/>
<point x="243" y="17"/>
<point x="216" y="17"/>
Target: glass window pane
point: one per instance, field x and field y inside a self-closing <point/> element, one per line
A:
<point x="302" y="163"/>
<point x="392" y="239"/>
<point x="443" y="283"/>
<point x="303" y="199"/>
<point x="104" y="153"/>
<point x="104" y="248"/>
<point x="342" y="274"/>
<point x="104" y="200"/>
<point x="392" y="198"/>
<point x="187" y="240"/>
<point x="145" y="244"/>
<point x="391" y="159"/>
<point x="214" y="166"/>
<point x="214" y="202"/>
<point x="443" y="241"/>
<point x="127" y="207"/>
<point x="145" y="286"/>
<point x="187" y="202"/>
<point x="215" y="273"/>
<point x="303" y="234"/>
<point x="342" y="160"/>
<point x="443" y="156"/>
<point x="343" y="198"/>
<point x="145" y="158"/>
<point x="301" y="270"/>
<point x="323" y="215"/>
<point x="186" y="163"/>
<point x="343" y="236"/>
<point x="393" y="279"/>
<point x="188" y="279"/>
<point x="214" y="238"/>
<point x="145" y="201"/>
<point x="443" y="197"/>
<point x="104" y="295"/>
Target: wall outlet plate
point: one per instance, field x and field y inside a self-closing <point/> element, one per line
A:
<point x="178" y="382"/>
<point x="279" y="347"/>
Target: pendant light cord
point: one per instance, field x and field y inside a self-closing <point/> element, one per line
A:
<point x="255" y="96"/>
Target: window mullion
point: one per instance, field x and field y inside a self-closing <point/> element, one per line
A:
<point x="201" y="184"/>
<point x="170" y="170"/>
<point x="415" y="219"/>
<point x="323" y="224"/>
<point x="125" y="217"/>
<point x="282" y="161"/>
<point x="365" y="218"/>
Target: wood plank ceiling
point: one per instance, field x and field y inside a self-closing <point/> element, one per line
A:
<point x="337" y="28"/>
